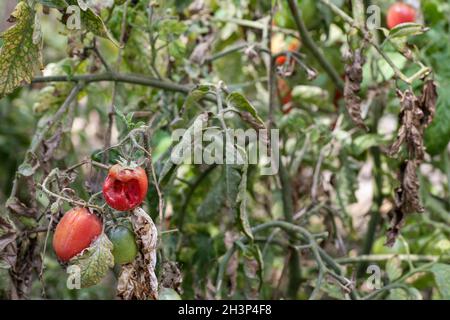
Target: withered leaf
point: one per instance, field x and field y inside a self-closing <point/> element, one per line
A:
<point x="353" y="79"/>
<point x="411" y="129"/>
<point x="138" y="280"/>
<point x="8" y="247"/>
<point x="397" y="218"/>
<point x="428" y="101"/>
<point x="407" y="199"/>
<point x="171" y="276"/>
<point x="410" y="200"/>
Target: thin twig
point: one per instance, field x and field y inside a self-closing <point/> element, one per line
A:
<point x="311" y="46"/>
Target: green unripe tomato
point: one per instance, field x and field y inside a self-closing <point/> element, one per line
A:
<point x="125" y="247"/>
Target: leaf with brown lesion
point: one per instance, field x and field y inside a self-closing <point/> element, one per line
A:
<point x="407" y="199"/>
<point x="427" y="102"/>
<point x="19" y="56"/>
<point x="411" y="129"/>
<point x="8" y="247"/>
<point x="353" y="80"/>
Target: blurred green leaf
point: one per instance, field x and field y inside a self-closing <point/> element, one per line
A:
<point x="442" y="277"/>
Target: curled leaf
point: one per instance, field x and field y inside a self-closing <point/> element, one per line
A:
<point x="8" y="246"/>
<point x="353" y="79"/>
<point x="138" y="280"/>
<point x="427" y="102"/>
<point x="411" y="129"/>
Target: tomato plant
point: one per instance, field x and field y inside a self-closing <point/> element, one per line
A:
<point x="125" y="188"/>
<point x="229" y="149"/>
<point x="75" y="232"/>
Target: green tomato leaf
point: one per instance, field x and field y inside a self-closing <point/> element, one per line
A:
<point x="441" y="274"/>
<point x="58" y="4"/>
<point x="394" y="268"/>
<point x="237" y="101"/>
<point x="310" y="95"/>
<point x="182" y="149"/>
<point x="365" y="142"/>
<point x="95" y="261"/>
<point x="171" y="28"/>
<point x="241" y="203"/>
<point x="213" y="201"/>
<point x="407" y="29"/>
<point x="437" y="135"/>
<point x="19" y="56"/>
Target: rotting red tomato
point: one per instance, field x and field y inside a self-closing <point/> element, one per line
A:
<point x="75" y="232"/>
<point x="125" y="188"/>
<point x="400" y="13"/>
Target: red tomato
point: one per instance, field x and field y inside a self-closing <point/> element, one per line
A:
<point x="124" y="188"/>
<point x="400" y="13"/>
<point x="279" y="61"/>
<point x="75" y="232"/>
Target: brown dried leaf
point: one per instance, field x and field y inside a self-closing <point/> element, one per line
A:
<point x="411" y="129"/>
<point x="353" y="79"/>
<point x="20" y="209"/>
<point x="397" y="218"/>
<point x="8" y="247"/>
<point x="171" y="276"/>
<point x="138" y="279"/>
<point x="410" y="200"/>
<point x="407" y="199"/>
<point x="427" y="102"/>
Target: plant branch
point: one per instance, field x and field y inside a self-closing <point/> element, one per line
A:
<point x="311" y="46"/>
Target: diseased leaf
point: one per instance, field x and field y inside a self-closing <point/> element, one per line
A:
<point x="411" y="129"/>
<point x="441" y="274"/>
<point x="353" y="80"/>
<point x="183" y="149"/>
<point x="95" y="261"/>
<point x="19" y="56"/>
<point x="196" y="94"/>
<point x="138" y="280"/>
<point x="95" y="24"/>
<point x="8" y="246"/>
<point x="239" y="102"/>
<point x="241" y="203"/>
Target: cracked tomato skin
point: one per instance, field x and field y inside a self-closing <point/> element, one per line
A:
<point x="124" y="188"/>
<point x="400" y="13"/>
<point x="75" y="232"/>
